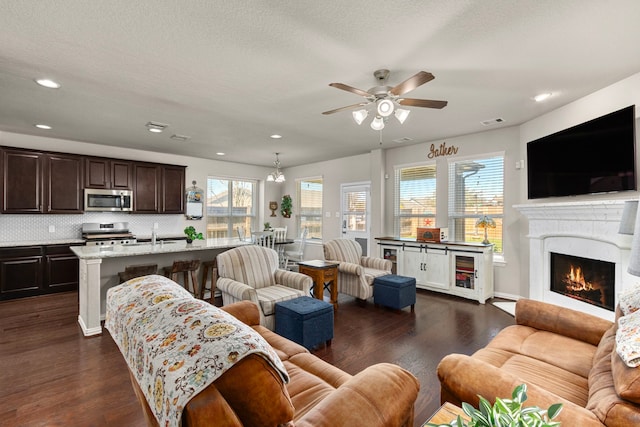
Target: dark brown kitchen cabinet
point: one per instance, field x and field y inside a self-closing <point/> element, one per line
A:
<point x="37" y="270"/>
<point x="146" y="187"/>
<point x="108" y="173"/>
<point x="173" y="189"/>
<point x="158" y="188"/>
<point x="21" y="272"/>
<point x="22" y="181"/>
<point x="61" y="269"/>
<point x="63" y="184"/>
<point x="35" y="182"/>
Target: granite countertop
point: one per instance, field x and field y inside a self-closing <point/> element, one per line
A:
<point x="162" y="247"/>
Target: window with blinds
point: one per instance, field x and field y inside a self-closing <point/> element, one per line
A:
<point x="476" y="189"/>
<point x="415" y="199"/>
<point x="309" y="206"/>
<point x="230" y="203"/>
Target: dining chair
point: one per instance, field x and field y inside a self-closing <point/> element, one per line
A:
<point x="280" y="233"/>
<point x="296" y="255"/>
<point x="264" y="239"/>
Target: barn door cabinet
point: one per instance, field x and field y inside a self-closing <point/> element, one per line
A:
<point x="37" y="182"/>
<point x="461" y="269"/>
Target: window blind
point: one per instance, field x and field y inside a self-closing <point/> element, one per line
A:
<point x="476" y="189"/>
<point x="415" y="199"/>
<point x="309" y="206"/>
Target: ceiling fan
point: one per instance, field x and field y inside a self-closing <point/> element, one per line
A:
<point x="387" y="98"/>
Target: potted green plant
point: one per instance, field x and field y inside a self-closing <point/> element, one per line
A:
<point x="192" y="234"/>
<point x="267" y="226"/>
<point x="286" y="206"/>
<point x="506" y="413"/>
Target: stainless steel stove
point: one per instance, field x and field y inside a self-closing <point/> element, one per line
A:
<point x="104" y="234"/>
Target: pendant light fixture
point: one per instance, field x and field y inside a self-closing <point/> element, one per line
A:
<point x="276" y="176"/>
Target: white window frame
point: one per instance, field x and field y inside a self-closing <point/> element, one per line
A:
<point x="422" y="202"/>
<point x="251" y="218"/>
<point x="493" y="209"/>
<point x="301" y="215"/>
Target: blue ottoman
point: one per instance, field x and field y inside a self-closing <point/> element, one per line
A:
<point x="305" y="320"/>
<point x="395" y="291"/>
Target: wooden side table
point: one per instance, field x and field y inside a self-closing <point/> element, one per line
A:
<point x="323" y="274"/>
<point x="445" y="414"/>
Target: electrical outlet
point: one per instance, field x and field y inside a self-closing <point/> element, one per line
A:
<point x="337" y="214"/>
<point x="52" y="229"/>
<point x="327" y="214"/>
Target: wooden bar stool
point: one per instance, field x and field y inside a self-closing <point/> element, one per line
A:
<point x="188" y="269"/>
<point x="209" y="266"/>
<point x="133" y="271"/>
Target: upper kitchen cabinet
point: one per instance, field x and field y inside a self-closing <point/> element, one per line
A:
<point x="158" y="188"/>
<point x="35" y="182"/>
<point x="173" y="189"/>
<point x="146" y="187"/>
<point x="108" y="173"/>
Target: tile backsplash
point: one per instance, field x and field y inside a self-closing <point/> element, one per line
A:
<point x="17" y="228"/>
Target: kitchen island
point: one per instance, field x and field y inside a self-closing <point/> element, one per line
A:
<point x="99" y="266"/>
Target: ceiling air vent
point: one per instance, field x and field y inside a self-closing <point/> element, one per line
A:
<point x="404" y="139"/>
<point x="180" y="137"/>
<point x="492" y="121"/>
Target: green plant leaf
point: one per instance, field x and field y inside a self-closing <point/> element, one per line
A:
<point x="554" y="410"/>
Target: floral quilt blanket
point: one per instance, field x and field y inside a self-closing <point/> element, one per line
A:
<point x="177" y="345"/>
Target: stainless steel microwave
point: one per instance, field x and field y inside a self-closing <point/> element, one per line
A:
<point x="108" y="200"/>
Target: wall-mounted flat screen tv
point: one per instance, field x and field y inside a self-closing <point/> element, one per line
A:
<point x="597" y="156"/>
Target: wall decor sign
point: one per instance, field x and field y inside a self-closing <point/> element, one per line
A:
<point x="443" y="150"/>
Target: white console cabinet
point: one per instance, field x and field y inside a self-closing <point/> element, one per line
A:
<point x="461" y="269"/>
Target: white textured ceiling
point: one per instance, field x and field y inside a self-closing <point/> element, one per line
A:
<point x="230" y="73"/>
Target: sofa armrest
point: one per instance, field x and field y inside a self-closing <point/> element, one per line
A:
<point x="294" y="280"/>
<point x="245" y="311"/>
<point x="381" y="395"/>
<point x="561" y="320"/>
<point x="238" y="290"/>
<point x="376" y="263"/>
<point x="464" y="378"/>
<point x="349" y="268"/>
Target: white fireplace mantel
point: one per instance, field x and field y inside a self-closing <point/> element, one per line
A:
<point x="587" y="229"/>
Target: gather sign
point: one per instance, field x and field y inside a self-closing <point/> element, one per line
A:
<point x="443" y="150"/>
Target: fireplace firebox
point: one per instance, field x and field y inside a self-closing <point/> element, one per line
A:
<point x="585" y="279"/>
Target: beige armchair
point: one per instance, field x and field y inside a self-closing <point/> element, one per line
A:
<point x="251" y="273"/>
<point x="355" y="272"/>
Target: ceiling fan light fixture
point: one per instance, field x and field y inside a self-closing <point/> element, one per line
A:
<point x="385" y="107"/>
<point x="360" y="115"/>
<point x="377" y="123"/>
<point x="402" y="114"/>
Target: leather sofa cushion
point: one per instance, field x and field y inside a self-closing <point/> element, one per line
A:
<point x="604" y="402"/>
<point x="268" y="403"/>
<point x="625" y="379"/>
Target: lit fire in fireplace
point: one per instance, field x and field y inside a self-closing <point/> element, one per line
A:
<point x="578" y="286"/>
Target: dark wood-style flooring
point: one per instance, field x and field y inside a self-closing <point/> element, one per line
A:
<point x="51" y="375"/>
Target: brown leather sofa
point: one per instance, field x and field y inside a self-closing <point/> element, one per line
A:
<point x="252" y="393"/>
<point x="562" y="355"/>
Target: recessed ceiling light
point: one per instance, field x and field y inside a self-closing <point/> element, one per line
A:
<point x="156" y="127"/>
<point x="541" y="97"/>
<point x="41" y="126"/>
<point x="220" y="153"/>
<point x="275" y="136"/>
<point x="48" y="83"/>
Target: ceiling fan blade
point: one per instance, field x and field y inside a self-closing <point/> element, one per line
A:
<point x="411" y="83"/>
<point x="348" y="107"/>
<point x="427" y="103"/>
<point x="350" y="89"/>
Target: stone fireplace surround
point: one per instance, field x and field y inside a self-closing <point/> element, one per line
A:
<point x="587" y="229"/>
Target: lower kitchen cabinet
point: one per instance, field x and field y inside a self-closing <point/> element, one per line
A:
<point x="37" y="270"/>
<point x="461" y="269"/>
